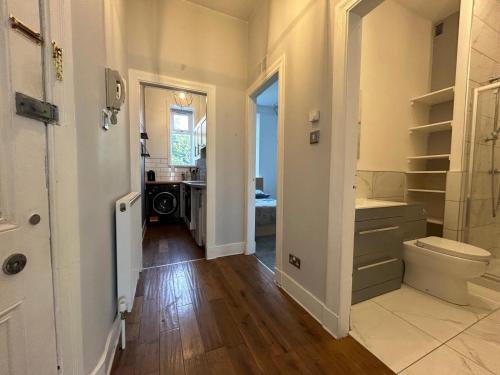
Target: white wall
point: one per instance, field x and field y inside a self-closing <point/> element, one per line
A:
<point x="157" y="103"/>
<point x="102" y="166"/>
<point x="395" y="66"/>
<point x="182" y="40"/>
<point x="268" y="143"/>
<point x="299" y="29"/>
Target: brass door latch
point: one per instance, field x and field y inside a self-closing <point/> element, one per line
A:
<point x="57" y="55"/>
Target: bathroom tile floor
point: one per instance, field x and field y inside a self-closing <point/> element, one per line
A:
<point x="415" y="333"/>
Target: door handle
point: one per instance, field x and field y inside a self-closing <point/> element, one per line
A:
<point x="14" y="264"/>
<point x="386" y="229"/>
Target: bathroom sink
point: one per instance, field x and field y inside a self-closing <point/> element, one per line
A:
<point x="362" y="203"/>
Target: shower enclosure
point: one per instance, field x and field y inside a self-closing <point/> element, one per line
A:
<point x="483" y="195"/>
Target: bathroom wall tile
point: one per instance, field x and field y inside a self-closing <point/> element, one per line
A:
<point x="484" y="128"/>
<point x="483" y="237"/>
<point x="488" y="11"/>
<point x="480" y="212"/>
<point x="452" y="214"/>
<point x="393" y="340"/>
<point x="482" y="67"/>
<point x="451" y="234"/>
<point x="389" y="185"/>
<point x="455" y="183"/>
<point x="484" y="38"/>
<point x="482" y="158"/>
<point x="481" y="185"/>
<point x="445" y="360"/>
<point x="495" y="251"/>
<point x="364" y="184"/>
<point x="481" y="343"/>
<point x="439" y="319"/>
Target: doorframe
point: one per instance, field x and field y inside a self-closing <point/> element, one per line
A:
<point x="343" y="158"/>
<point x="276" y="69"/>
<point x="139" y="79"/>
<point x="56" y="26"/>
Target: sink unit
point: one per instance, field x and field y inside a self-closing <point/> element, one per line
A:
<point x="380" y="229"/>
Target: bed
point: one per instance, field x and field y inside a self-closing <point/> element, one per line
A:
<point x="265" y="211"/>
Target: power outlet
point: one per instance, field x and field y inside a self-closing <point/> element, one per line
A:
<point x="294" y="261"/>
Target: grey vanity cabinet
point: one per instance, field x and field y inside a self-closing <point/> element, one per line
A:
<point x="378" y="252"/>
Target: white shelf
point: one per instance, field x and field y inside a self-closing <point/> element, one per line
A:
<point x="432" y="191"/>
<point x="435" y="97"/>
<point x="426" y="172"/>
<point x="431" y="128"/>
<point x="435" y="220"/>
<point x="429" y="157"/>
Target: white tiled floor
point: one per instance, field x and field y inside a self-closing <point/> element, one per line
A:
<point x="415" y="333"/>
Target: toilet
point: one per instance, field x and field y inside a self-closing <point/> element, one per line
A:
<point x="442" y="267"/>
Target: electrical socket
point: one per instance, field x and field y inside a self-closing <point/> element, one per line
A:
<point x="294" y="261"/>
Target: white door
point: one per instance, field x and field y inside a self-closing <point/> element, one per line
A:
<point x="27" y="333"/>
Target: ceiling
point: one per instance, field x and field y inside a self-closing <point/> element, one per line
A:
<point x="434" y="10"/>
<point x="241" y="9"/>
<point x="269" y="97"/>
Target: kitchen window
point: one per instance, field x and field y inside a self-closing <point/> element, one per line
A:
<point x="181" y="137"/>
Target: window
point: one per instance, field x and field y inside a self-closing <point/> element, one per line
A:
<point x="181" y="137"/>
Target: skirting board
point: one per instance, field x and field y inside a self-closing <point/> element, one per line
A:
<point x="105" y="363"/>
<point x="316" y="308"/>
<point x="225" y="250"/>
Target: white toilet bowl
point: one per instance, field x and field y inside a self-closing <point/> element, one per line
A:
<point x="442" y="267"/>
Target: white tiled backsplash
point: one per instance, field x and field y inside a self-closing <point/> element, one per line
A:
<point x="163" y="171"/>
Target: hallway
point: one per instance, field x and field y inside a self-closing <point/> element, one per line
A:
<point x="227" y="317"/>
<point x="168" y="244"/>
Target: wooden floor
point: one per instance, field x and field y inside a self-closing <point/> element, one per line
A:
<point x="169" y="243"/>
<point x="226" y="316"/>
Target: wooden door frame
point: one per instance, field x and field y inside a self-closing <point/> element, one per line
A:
<point x="138" y="79"/>
<point x="276" y="69"/>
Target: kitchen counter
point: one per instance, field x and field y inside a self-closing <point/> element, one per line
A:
<point x="196" y="184"/>
<point x="166" y="182"/>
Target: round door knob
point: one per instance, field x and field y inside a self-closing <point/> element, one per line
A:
<point x="35" y="219"/>
<point x="14" y="264"/>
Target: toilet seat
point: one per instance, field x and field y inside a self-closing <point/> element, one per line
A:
<point x="453" y="248"/>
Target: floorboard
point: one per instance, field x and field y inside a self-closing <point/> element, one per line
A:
<point x="169" y="243"/>
<point x="226" y="316"/>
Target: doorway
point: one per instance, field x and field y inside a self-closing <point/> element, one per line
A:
<point x="265" y="165"/>
<point x="266" y="147"/>
<point x="174" y="174"/>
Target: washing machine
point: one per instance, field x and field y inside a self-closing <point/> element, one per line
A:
<point x="163" y="203"/>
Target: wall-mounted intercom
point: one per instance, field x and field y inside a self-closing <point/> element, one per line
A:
<point x="115" y="93"/>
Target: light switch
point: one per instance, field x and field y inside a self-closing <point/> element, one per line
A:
<point x="314" y="116"/>
<point x="314" y="137"/>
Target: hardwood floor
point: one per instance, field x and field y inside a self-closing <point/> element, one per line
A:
<point x="169" y="243"/>
<point x="226" y="316"/>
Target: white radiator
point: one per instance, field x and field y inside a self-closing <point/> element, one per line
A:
<point x="128" y="247"/>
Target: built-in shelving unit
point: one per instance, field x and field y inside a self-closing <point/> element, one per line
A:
<point x="435" y="97"/>
<point x="431" y="191"/>
<point x="434" y="220"/>
<point x="432" y="128"/>
<point x="427" y="172"/>
<point x="431" y="145"/>
<point x="429" y="157"/>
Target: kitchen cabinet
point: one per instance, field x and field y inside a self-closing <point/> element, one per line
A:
<point x="193" y="209"/>
<point x="200" y="137"/>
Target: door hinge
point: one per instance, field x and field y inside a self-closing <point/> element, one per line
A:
<point x="36" y="109"/>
